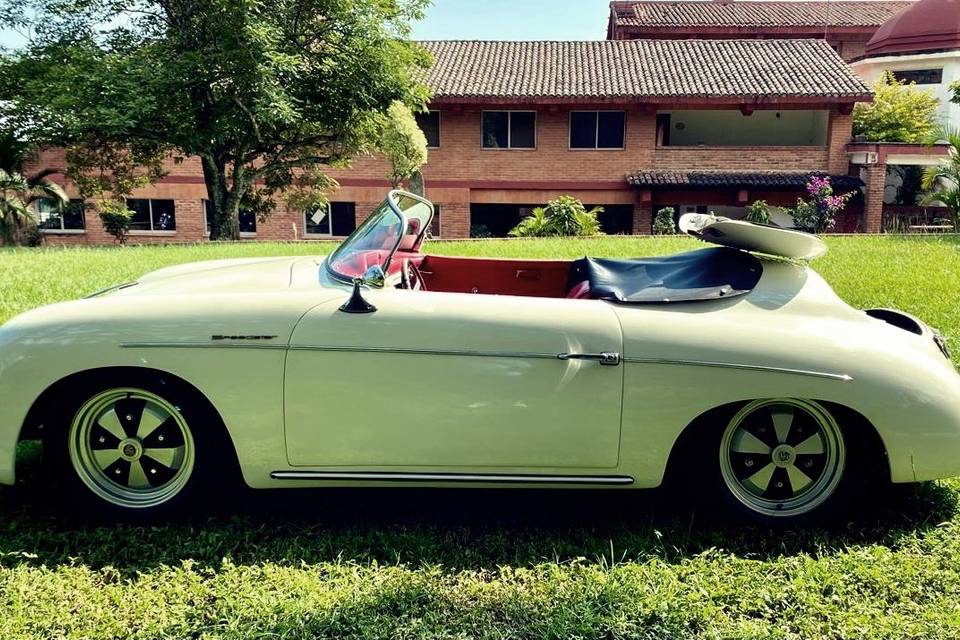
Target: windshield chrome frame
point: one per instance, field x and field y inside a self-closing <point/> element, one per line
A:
<point x="391" y="202"/>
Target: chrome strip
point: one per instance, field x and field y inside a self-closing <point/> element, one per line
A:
<point x="200" y="345"/>
<point x="449" y="477"/>
<point x="842" y="377"/>
<point x="426" y="352"/>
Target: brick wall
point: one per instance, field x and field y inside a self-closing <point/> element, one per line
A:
<point x="874" y="176"/>
<point x="461" y="172"/>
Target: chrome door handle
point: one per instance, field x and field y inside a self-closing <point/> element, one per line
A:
<point x="608" y="358"/>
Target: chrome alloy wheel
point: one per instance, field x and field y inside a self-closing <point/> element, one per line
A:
<point x="782" y="456"/>
<point x="131" y="447"/>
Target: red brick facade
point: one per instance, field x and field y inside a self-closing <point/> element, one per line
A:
<point x="461" y="174"/>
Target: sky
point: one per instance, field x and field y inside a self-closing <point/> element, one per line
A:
<point x="495" y="20"/>
<point x="514" y="20"/>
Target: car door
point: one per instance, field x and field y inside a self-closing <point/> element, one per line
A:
<point x="455" y="381"/>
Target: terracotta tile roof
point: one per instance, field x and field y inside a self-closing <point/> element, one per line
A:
<point x="633" y="69"/>
<point x="758" y="13"/>
<point x="738" y="180"/>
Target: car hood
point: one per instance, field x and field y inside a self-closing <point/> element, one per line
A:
<point x="244" y="275"/>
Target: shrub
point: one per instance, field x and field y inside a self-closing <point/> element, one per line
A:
<point x="758" y="213"/>
<point x="819" y="213"/>
<point x="565" y="216"/>
<point x="898" y="113"/>
<point x="663" y="222"/>
<point x="116" y="218"/>
<point x="480" y="231"/>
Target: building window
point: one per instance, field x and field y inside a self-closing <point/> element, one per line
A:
<point x="152" y="215"/>
<point x="51" y="218"/>
<point x="429" y="123"/>
<point x="332" y="219"/>
<point x="919" y="76"/>
<point x="435" y="227"/>
<point x="597" y="129"/>
<point x="509" y="129"/>
<point x="248" y="220"/>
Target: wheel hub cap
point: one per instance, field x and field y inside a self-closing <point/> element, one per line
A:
<point x="131" y="447"/>
<point x="783" y="456"/>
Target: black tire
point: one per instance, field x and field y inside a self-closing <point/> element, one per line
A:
<point x="83" y="492"/>
<point x="698" y="470"/>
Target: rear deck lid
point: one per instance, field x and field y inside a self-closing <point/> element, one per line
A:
<point x="762" y="238"/>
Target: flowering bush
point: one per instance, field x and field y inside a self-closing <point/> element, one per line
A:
<point x="819" y="213"/>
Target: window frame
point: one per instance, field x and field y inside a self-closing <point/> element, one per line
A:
<point x="938" y="70"/>
<point x="329" y="205"/>
<point x="151" y="231"/>
<point x="206" y="223"/>
<point x="510" y="112"/>
<point x="596" y="131"/>
<point x="439" y="127"/>
<point x="62" y="230"/>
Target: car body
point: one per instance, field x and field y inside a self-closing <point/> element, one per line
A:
<point x="486" y="375"/>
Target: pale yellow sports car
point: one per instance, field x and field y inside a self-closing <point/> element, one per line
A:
<point x="741" y="376"/>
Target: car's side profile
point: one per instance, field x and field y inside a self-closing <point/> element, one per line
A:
<point x="745" y="378"/>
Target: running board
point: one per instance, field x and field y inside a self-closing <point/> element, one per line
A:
<point x="450" y="477"/>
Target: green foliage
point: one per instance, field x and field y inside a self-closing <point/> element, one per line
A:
<point x="758" y="212"/>
<point x="17" y="192"/>
<point x="403" y="143"/>
<point x="480" y="231"/>
<point x="565" y="216"/>
<point x="898" y="113"/>
<point x="941" y="183"/>
<point x="664" y="223"/>
<point x="955" y="88"/>
<point x="818" y="214"/>
<point x="267" y="94"/>
<point x="501" y="565"/>
<point x="115" y="217"/>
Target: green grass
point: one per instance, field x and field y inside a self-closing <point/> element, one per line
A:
<point x="418" y="564"/>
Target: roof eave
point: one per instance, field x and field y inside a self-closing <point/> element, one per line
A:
<point x="640" y="100"/>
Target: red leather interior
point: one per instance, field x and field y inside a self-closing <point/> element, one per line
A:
<point x="536" y="278"/>
<point x="580" y="290"/>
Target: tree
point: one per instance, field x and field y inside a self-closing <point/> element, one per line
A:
<point x="898" y="113"/>
<point x="565" y="216"/>
<point x="267" y="94"/>
<point x="663" y="222"/>
<point x="403" y="143"/>
<point x="941" y="183"/>
<point x="18" y="192"/>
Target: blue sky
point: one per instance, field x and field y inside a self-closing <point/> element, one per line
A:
<point x="496" y="20"/>
<point x="514" y="20"/>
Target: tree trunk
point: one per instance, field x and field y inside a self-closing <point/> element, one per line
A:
<point x="223" y="203"/>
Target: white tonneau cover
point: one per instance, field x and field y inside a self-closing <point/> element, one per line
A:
<point x="739" y="234"/>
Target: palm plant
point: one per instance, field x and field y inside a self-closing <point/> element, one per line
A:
<point x="565" y="216"/>
<point x="941" y="183"/>
<point x="18" y="192"/>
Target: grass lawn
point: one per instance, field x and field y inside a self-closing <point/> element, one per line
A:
<point x="416" y="564"/>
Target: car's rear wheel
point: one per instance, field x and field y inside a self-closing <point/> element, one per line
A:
<point x="782" y="457"/>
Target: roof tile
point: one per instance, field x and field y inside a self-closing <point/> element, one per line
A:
<point x="636" y="69"/>
<point x="758" y="13"/>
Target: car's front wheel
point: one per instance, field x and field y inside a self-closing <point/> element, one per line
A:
<point x="141" y="448"/>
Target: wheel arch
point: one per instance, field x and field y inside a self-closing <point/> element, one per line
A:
<point x="45" y="407"/>
<point x="852" y="423"/>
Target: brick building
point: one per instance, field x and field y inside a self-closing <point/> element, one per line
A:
<point x="629" y="125"/>
<point x="847" y="25"/>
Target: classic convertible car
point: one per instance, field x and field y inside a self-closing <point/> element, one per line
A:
<point x="741" y="377"/>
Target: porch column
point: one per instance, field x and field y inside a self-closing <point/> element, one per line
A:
<point x="643" y="213"/>
<point x="874" y="177"/>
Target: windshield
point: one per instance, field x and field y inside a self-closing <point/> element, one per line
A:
<point x="399" y="223"/>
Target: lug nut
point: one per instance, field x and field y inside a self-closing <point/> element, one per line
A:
<point x="748" y="462"/>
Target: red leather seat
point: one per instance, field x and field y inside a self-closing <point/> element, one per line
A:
<point x="580" y="290"/>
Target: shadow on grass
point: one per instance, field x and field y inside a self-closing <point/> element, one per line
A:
<point x="466" y="529"/>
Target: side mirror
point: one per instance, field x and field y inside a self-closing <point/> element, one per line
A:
<point x="372" y="277"/>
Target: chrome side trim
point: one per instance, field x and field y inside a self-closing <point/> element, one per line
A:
<point x="426" y="352"/>
<point x="842" y="377"/>
<point x="376" y="476"/>
<point x="200" y="345"/>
